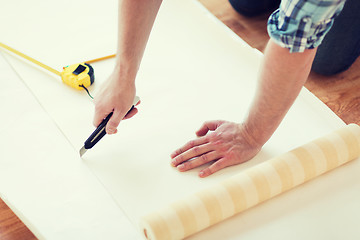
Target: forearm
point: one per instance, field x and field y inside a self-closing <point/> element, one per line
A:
<point x="135" y="20"/>
<point x="282" y="76"/>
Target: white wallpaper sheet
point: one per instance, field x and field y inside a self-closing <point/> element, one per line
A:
<point x="194" y="69"/>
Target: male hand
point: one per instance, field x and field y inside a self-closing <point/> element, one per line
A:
<point x="115" y="96"/>
<point x="228" y="144"/>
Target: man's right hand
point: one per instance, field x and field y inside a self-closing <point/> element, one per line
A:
<point x="115" y="95"/>
<point x="135" y="20"/>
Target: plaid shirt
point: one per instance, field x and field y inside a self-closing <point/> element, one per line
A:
<point x="303" y="24"/>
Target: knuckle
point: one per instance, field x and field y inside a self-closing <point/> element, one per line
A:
<point x="218" y="165"/>
<point x="112" y="125"/>
<point x="207" y="171"/>
<point x="191" y="144"/>
<point x="208" y="137"/>
<point x="187" y="165"/>
<point x="203" y="158"/>
<point x="179" y="151"/>
<point x="204" y="125"/>
<point x="196" y="150"/>
<point x="231" y="155"/>
<point x="213" y="137"/>
<point x="98" y="107"/>
<point x="179" y="159"/>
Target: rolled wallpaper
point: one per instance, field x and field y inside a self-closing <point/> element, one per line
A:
<point x="252" y="186"/>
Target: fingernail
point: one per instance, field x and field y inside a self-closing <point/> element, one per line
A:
<point x="181" y="167"/>
<point x="201" y="174"/>
<point x="173" y="163"/>
<point x="112" y="131"/>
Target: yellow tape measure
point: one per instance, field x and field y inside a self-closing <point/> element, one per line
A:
<point x="78" y="76"/>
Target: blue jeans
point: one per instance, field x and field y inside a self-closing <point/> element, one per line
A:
<point x="340" y="47"/>
<point x="251" y="8"/>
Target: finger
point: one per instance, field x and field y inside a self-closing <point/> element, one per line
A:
<point x="131" y="113"/>
<point x="195" y="151"/>
<point x="219" y="164"/>
<point x="207" y="126"/>
<point x="188" y="145"/>
<point x="114" y="122"/>
<point x="99" y="116"/>
<point x="205" y="158"/>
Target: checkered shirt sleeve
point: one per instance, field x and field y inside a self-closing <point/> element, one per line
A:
<point x="303" y="24"/>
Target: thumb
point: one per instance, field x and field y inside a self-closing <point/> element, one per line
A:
<point x="111" y="126"/>
<point x="207" y="126"/>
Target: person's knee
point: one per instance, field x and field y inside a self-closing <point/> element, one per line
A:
<point x="326" y="70"/>
<point x="341" y="45"/>
<point x="252" y="8"/>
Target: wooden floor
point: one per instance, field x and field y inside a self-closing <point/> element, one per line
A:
<point x="340" y="92"/>
<point x="11" y="227"/>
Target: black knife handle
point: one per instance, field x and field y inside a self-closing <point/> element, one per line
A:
<point x="99" y="132"/>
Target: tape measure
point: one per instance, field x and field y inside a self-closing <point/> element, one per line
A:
<point x="78" y="76"/>
<point x="81" y="75"/>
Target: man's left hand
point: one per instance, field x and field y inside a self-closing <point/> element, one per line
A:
<point x="227" y="144"/>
